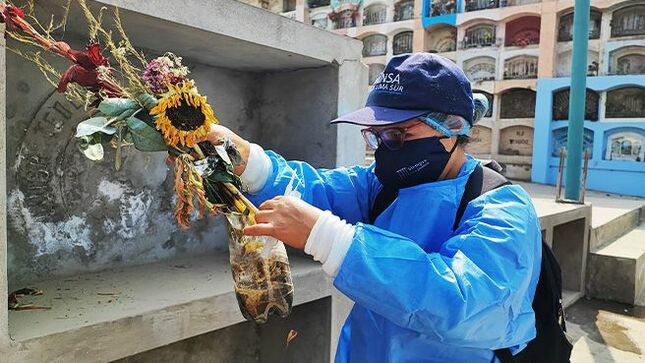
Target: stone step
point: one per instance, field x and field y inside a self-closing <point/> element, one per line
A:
<point x="602" y="235"/>
<point x="617" y="271"/>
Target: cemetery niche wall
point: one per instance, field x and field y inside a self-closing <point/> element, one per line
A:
<point x="77" y="229"/>
<point x="505" y="133"/>
<point x="614" y="132"/>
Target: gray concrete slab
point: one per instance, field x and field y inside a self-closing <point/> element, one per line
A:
<point x="606" y="206"/>
<point x="631" y="245"/>
<point x="118" y="313"/>
<point x="247" y="342"/>
<point x="617" y="271"/>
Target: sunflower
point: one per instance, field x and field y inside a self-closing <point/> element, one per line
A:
<point x="183" y="115"/>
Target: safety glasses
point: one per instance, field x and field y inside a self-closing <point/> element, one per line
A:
<point x="392" y="137"/>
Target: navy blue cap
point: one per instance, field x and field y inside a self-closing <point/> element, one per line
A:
<point x="413" y="85"/>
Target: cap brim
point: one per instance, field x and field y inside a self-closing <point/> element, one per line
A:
<point x="379" y="116"/>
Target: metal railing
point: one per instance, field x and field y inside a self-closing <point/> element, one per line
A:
<point x="317" y="3"/>
<point x="630" y="21"/>
<point x="565" y="29"/>
<point x="375" y="14"/>
<point x="474" y="5"/>
<point x="628" y="102"/>
<point x="506" y="3"/>
<point x="479" y="43"/>
<point x="629" y="64"/>
<point x="375" y="45"/>
<point x="404" y="10"/>
<point x="521" y="68"/>
<point x="402" y="43"/>
<point x="443" y="7"/>
<point x="345" y="19"/>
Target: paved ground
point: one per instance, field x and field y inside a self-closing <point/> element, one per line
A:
<point x="606" y="332"/>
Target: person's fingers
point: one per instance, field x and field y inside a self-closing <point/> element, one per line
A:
<point x="262" y="229"/>
<point x="213" y="135"/>
<point x="269" y="204"/>
<point x="263" y="216"/>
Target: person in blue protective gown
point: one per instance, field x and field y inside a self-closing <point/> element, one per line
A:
<point x="423" y="292"/>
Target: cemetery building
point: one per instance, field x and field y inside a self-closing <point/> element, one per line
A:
<point x="518" y="53"/>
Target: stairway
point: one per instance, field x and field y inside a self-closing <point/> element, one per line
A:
<point x="616" y="263"/>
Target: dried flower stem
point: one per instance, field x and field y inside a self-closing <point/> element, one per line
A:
<point x="129" y="71"/>
<point x="33" y="37"/>
<point x="74" y="93"/>
<point x="125" y="40"/>
<point x="189" y="185"/>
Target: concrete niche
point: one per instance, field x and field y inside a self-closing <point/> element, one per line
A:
<point x="480" y="140"/>
<point x="77" y="229"/>
<point x="516" y="140"/>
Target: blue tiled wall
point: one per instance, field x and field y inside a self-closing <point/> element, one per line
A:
<point x="624" y="177"/>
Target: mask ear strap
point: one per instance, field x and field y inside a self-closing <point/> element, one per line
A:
<point x="454" y="146"/>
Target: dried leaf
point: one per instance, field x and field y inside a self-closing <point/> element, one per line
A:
<point x="14" y="302"/>
<point x="92" y="149"/>
<point x="31" y="307"/>
<point x="117" y="106"/>
<point x="144" y="136"/>
<point x="94" y="125"/>
<point x="291" y="336"/>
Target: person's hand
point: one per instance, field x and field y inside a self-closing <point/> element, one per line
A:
<point x="287" y="219"/>
<point x="219" y="132"/>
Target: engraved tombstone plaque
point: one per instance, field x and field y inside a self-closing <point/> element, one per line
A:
<point x="516" y="140"/>
<point x="68" y="214"/>
<point x="480" y="141"/>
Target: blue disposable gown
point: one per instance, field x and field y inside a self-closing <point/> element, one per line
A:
<point x="422" y="292"/>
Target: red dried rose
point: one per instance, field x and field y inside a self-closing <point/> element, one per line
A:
<point x="84" y="70"/>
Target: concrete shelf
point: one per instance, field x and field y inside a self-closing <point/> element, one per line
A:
<point x="152" y="305"/>
<point x="617" y="271"/>
<point x="569" y="297"/>
<point x="565" y="228"/>
<point x="221" y="34"/>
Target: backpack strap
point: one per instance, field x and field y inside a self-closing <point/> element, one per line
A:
<point x="472" y="190"/>
<point x="482" y="180"/>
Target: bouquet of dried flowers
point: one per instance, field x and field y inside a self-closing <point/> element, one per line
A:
<point x="155" y="106"/>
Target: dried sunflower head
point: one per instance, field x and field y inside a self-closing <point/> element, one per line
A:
<point x="183" y="115"/>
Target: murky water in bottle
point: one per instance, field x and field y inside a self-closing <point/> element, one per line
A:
<point x="261" y="276"/>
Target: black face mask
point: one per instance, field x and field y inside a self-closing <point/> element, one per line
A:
<point x="419" y="161"/>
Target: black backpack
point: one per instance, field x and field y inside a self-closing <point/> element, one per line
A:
<point x="550" y="344"/>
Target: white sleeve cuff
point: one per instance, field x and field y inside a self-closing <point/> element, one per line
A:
<point x="258" y="169"/>
<point x="329" y="241"/>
